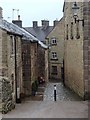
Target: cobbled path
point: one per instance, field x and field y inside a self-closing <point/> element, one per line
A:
<point x="63" y="93"/>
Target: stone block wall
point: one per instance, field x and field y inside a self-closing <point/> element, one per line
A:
<point x="58" y="33"/>
<point x="6" y="95"/>
<point x="34" y="62"/>
<point x="73" y="54"/>
<point x="41" y="62"/>
<point x="86" y="47"/>
<point x="26" y="68"/>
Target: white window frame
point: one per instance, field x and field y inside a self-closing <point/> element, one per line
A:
<point x="54" y="55"/>
<point x="53" y="41"/>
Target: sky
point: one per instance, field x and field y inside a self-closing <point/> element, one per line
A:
<point x="32" y="10"/>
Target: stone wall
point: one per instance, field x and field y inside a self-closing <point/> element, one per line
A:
<point x="46" y="66"/>
<point x="34" y="62"/>
<point x="86" y="47"/>
<point x="26" y="68"/>
<point x="58" y="33"/>
<point x="0" y="52"/>
<point x="41" y="62"/>
<point x="6" y="95"/>
<point x="73" y="56"/>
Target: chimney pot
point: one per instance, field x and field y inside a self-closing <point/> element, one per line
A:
<point x="45" y="23"/>
<point x="18" y="17"/>
<point x="18" y="22"/>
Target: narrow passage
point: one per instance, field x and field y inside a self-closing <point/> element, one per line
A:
<point x="63" y="93"/>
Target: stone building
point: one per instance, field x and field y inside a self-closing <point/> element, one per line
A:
<point x="55" y="41"/>
<point x="40" y="31"/>
<point x="42" y="60"/>
<point x="11" y="64"/>
<point x="76" y="54"/>
<point x="19" y="65"/>
<point x="34" y="62"/>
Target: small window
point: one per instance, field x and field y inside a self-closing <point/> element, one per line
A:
<point x="53" y="41"/>
<point x="12" y="44"/>
<point x="54" y="70"/>
<point x="67" y="32"/>
<point x="54" y="55"/>
<point x="71" y="30"/>
<point x="77" y="29"/>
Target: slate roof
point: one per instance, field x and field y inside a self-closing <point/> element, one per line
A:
<point x="12" y="28"/>
<point x="40" y="32"/>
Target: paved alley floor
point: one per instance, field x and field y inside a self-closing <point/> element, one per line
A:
<point x="68" y="105"/>
<point x="63" y="93"/>
<point x="50" y="109"/>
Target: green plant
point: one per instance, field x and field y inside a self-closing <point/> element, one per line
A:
<point x="34" y="87"/>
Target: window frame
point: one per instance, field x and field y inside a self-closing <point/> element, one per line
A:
<point x="54" y="55"/>
<point x="12" y="44"/>
<point x="53" y="41"/>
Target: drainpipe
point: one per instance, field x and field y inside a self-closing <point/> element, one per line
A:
<point x="18" y="100"/>
<point x="15" y="68"/>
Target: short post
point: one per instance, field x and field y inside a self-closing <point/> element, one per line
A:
<point x="54" y="92"/>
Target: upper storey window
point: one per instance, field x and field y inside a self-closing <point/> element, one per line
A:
<point x="53" y="41"/>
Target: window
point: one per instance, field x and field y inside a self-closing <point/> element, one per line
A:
<point x="12" y="44"/>
<point x="71" y="30"/>
<point x="54" y="70"/>
<point x="67" y="32"/>
<point x="53" y="41"/>
<point x="54" y="55"/>
<point x="77" y="29"/>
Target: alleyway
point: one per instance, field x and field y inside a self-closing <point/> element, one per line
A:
<point x="68" y="105"/>
<point x="63" y="93"/>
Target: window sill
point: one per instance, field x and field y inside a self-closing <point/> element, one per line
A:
<point x="54" y="44"/>
<point x="54" y="59"/>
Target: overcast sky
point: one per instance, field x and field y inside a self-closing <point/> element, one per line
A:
<point x="32" y="10"/>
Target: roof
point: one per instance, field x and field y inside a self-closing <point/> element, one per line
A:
<point x="40" y="32"/>
<point x="12" y="28"/>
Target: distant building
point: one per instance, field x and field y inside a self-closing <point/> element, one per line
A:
<point x="55" y="41"/>
<point x="40" y="31"/>
<point x="77" y="48"/>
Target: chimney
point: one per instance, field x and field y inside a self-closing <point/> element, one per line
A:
<point x="19" y="17"/>
<point x="18" y="22"/>
<point x="35" y="24"/>
<point x="55" y="22"/>
<point x="1" y="13"/>
<point x="45" y="23"/>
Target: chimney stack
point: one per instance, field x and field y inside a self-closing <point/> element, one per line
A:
<point x="1" y="16"/>
<point x="35" y="24"/>
<point x="18" y="22"/>
<point x="55" y="22"/>
<point x="45" y="23"/>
